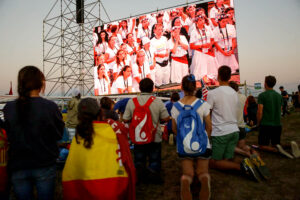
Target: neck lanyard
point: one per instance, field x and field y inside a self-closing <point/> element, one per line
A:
<point x="125" y="85"/>
<point x="103" y="89"/>
<point x="148" y="56"/>
<point x="142" y="71"/>
<point x="224" y="38"/>
<point x="204" y="34"/>
<point x="222" y="8"/>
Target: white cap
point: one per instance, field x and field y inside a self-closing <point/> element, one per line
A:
<point x="75" y="92"/>
<point x="145" y="40"/>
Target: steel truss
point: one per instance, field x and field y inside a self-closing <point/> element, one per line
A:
<point x="68" y="56"/>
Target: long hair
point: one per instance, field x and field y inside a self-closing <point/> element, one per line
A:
<point x="29" y="78"/>
<point x="100" y="39"/>
<point x="85" y="128"/>
<point x="123" y="70"/>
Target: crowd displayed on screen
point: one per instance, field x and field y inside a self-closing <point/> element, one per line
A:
<point x="164" y="46"/>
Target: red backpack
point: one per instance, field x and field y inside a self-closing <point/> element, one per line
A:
<point x="141" y="129"/>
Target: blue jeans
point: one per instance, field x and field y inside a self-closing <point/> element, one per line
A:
<point x="43" y="179"/>
<point x="152" y="152"/>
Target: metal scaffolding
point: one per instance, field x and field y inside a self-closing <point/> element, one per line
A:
<point x="68" y="57"/>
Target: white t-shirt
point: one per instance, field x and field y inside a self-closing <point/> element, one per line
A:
<point x="121" y="83"/>
<point x="202" y="111"/>
<point x="101" y="48"/>
<point x="145" y="70"/>
<point x="117" y="68"/>
<point x="224" y="36"/>
<point x="202" y="38"/>
<point x="144" y="32"/>
<point x="179" y="51"/>
<point x="111" y="53"/>
<point x="224" y="103"/>
<point x="160" y="47"/>
<point x="149" y="55"/>
<point x="102" y="86"/>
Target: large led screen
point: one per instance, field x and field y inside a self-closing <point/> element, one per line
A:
<point x="165" y="46"/>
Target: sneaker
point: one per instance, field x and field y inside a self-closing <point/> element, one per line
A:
<point x="283" y="152"/>
<point x="260" y="166"/>
<point x="248" y="168"/>
<point x="295" y="149"/>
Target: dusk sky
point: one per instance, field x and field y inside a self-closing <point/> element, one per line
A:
<point x="268" y="34"/>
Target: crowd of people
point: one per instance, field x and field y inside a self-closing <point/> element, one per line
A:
<point x="165" y="47"/>
<point x="100" y="164"/>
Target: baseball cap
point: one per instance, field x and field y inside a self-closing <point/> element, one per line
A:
<point x="89" y="106"/>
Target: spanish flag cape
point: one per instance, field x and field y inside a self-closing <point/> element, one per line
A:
<point x="105" y="171"/>
<point x="3" y="161"/>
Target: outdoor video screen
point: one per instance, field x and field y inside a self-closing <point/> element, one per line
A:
<point x="165" y="46"/>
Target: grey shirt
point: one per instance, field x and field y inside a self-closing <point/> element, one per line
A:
<point x="157" y="109"/>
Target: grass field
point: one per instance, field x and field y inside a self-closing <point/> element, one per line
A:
<point x="283" y="185"/>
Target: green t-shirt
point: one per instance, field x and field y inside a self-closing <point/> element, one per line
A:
<point x="271" y="102"/>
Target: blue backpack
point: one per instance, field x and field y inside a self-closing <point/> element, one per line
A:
<point x="191" y="136"/>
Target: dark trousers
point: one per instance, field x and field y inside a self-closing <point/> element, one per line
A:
<point x="150" y="153"/>
<point x="284" y="109"/>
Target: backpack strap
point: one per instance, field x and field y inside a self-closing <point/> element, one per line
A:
<point x="178" y="106"/>
<point x="136" y="102"/>
<point x="150" y="100"/>
<point x="197" y="105"/>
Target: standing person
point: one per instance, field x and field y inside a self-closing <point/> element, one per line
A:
<point x="225" y="132"/>
<point x="252" y="111"/>
<point x="102" y="43"/>
<point x="187" y="162"/>
<point x="178" y="46"/>
<point x="120" y="63"/>
<point x="204" y="62"/>
<point x="144" y="30"/>
<point x="132" y="47"/>
<point x="216" y="11"/>
<point x="149" y="58"/>
<point x="285" y="97"/>
<point x="268" y="118"/>
<point x="225" y="42"/>
<point x="107" y="106"/>
<point x="174" y="98"/>
<point x="123" y="83"/>
<point x="151" y="151"/>
<point x="100" y="152"/>
<point x="111" y="56"/>
<point x="102" y="83"/>
<point x="140" y="70"/>
<point x="33" y="125"/>
<point x="72" y="120"/>
<point x="162" y="67"/>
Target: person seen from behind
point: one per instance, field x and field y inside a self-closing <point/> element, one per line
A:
<point x="268" y="119"/>
<point x="188" y="85"/>
<point x="151" y="149"/>
<point x="107" y="106"/>
<point x="100" y="151"/>
<point x="285" y="98"/>
<point x="72" y="113"/>
<point x="174" y="98"/>
<point x="33" y="125"/>
<point x="224" y="103"/>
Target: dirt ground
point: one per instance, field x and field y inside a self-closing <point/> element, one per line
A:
<point x="283" y="185"/>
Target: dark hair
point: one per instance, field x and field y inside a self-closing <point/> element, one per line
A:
<point x="114" y="28"/>
<point x="224" y="73"/>
<point x="173" y="21"/>
<point x="188" y="84"/>
<point x="98" y="68"/>
<point x="106" y="103"/>
<point x="146" y="85"/>
<point x="251" y="100"/>
<point x="234" y="85"/>
<point x="100" y="39"/>
<point x="123" y="70"/>
<point x="228" y="9"/>
<point x="118" y="61"/>
<point x="175" y="96"/>
<point x="281" y="87"/>
<point x="85" y="127"/>
<point x="199" y="93"/>
<point x="29" y="78"/>
<point x="270" y="81"/>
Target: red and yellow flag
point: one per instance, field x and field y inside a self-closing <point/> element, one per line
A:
<point x="98" y="172"/>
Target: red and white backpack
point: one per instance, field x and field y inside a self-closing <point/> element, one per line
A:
<point x="141" y="129"/>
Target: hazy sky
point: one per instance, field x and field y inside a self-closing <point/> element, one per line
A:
<point x="268" y="33"/>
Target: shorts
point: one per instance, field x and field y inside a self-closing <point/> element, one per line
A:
<point x="269" y="134"/>
<point x="205" y="156"/>
<point x="223" y="146"/>
<point x="242" y="133"/>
